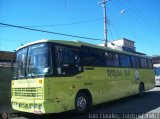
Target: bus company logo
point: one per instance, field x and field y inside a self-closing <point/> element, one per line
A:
<point x="137" y="77"/>
<point x="4" y="116"/>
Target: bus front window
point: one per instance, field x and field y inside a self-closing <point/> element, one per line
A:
<point x="39" y="60"/>
<point x="19" y="71"/>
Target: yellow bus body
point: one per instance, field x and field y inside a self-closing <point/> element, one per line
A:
<point x="58" y="94"/>
<point x="54" y="95"/>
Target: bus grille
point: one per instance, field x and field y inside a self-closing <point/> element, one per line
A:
<point x="27" y="92"/>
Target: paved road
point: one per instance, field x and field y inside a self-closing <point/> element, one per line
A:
<point x="145" y="107"/>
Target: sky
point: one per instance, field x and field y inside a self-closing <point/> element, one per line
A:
<point x="139" y="22"/>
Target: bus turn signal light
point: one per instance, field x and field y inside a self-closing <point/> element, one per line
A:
<point x="40" y="81"/>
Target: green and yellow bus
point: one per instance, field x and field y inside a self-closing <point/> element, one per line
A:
<point x="53" y="76"/>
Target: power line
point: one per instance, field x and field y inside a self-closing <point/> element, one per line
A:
<point x="38" y="30"/>
<point x="145" y="16"/>
<point x="115" y="29"/>
<point x="68" y="24"/>
<point x="109" y="29"/>
<point x="142" y="21"/>
<point x="65" y="24"/>
<point x="110" y="25"/>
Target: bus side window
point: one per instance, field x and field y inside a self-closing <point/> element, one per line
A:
<point x="111" y="59"/>
<point x="59" y="60"/>
<point x="150" y="65"/>
<point x="143" y="63"/>
<point x="125" y="61"/>
<point x="135" y="62"/>
<point x="68" y="61"/>
<point x="60" y="55"/>
<point x="92" y="57"/>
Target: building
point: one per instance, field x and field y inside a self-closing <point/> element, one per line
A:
<point x="123" y="44"/>
<point x="6" y="75"/>
<point x="6" y="58"/>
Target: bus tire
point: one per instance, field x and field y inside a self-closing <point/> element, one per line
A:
<point x="82" y="102"/>
<point x="141" y="90"/>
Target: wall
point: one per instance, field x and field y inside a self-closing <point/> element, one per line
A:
<point x="6" y="75"/>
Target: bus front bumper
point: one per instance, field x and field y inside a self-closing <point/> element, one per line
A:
<point x="37" y="106"/>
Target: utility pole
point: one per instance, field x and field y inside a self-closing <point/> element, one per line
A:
<point x="103" y="4"/>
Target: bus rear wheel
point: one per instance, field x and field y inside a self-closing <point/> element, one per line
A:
<point x="82" y="102"/>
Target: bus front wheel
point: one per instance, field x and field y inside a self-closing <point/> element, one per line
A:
<point x="82" y="102"/>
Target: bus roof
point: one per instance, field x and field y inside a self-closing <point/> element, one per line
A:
<point x="79" y="44"/>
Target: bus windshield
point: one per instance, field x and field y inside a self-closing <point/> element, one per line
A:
<point x="157" y="71"/>
<point x="36" y="62"/>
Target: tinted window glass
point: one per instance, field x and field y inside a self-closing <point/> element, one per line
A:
<point x="111" y="59"/>
<point x="68" y="61"/>
<point x="135" y="62"/>
<point x="67" y="55"/>
<point x="125" y="60"/>
<point x="150" y="64"/>
<point x="66" y="58"/>
<point x="143" y="63"/>
<point x="92" y="57"/>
